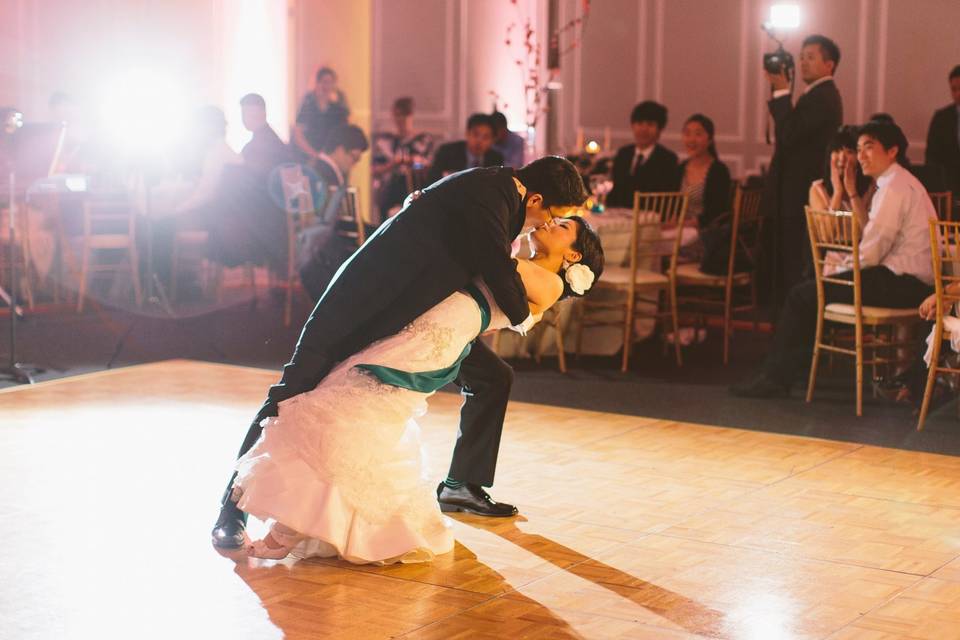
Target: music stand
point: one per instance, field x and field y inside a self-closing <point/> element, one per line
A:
<point x="24" y="154"/>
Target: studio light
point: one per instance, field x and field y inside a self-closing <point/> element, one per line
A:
<point x="784" y="16"/>
<point x="143" y="111"/>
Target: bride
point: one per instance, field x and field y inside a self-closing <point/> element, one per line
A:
<point x="340" y="470"/>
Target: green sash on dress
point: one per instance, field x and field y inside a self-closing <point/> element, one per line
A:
<point x="430" y="381"/>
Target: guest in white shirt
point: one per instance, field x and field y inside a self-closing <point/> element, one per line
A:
<point x="895" y="261"/>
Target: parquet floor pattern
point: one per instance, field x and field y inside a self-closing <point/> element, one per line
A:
<point x="631" y="528"/>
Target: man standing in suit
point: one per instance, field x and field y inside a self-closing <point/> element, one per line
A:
<point x="803" y="131"/>
<point x="457" y="229"/>
<point x="645" y="165"/>
<point x="943" y="138"/>
<point x="475" y="151"/>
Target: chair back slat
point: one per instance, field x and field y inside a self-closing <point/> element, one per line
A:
<point x="945" y="248"/>
<point x="943" y="204"/>
<point x="297" y="197"/>
<point x="108" y="216"/>
<point x="835" y="232"/>
<point x="746" y="226"/>
<point x="652" y="214"/>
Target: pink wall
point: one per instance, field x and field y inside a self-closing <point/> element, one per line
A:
<point x="693" y="55"/>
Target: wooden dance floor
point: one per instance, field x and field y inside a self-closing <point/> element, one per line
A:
<point x="631" y="528"/>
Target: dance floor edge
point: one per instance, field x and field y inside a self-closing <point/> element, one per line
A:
<point x="631" y="527"/>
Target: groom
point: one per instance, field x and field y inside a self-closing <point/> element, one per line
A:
<point x="458" y="228"/>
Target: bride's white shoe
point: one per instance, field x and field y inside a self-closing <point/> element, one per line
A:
<point x="277" y="544"/>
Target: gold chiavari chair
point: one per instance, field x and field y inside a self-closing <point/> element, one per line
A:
<point x="299" y="210"/>
<point x="706" y="292"/>
<point x="946" y="280"/>
<point x="653" y="214"/>
<point x="108" y="225"/>
<point x="839" y="232"/>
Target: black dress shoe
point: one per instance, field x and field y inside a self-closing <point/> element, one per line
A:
<point x="760" y="387"/>
<point x="228" y="533"/>
<point x="471" y="498"/>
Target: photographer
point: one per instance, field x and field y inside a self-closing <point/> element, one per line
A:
<point x="803" y="131"/>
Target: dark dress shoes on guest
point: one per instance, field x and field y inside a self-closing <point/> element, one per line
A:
<point x="760" y="387"/>
<point x="471" y="498"/>
<point x="229" y="532"/>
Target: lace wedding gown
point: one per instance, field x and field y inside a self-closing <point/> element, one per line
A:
<point x="343" y="465"/>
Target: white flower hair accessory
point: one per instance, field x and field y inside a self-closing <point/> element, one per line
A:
<point x="578" y="276"/>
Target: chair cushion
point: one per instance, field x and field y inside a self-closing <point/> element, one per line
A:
<point x="620" y="277"/>
<point x="690" y="274"/>
<point x="879" y="313"/>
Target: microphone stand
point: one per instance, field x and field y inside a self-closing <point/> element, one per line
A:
<point x="19" y="373"/>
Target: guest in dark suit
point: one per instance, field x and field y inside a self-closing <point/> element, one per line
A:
<point x="803" y="131"/>
<point x="265" y="150"/>
<point x="475" y="151"/>
<point x="943" y="137"/>
<point x="458" y="228"/>
<point x="645" y="165"/>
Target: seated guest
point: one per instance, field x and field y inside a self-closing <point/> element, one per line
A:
<point x="509" y="144"/>
<point x="341" y="151"/>
<point x="265" y="150"/>
<point x="395" y="155"/>
<point x="943" y="140"/>
<point x="322" y="110"/>
<point x="210" y="155"/>
<point x="896" y="265"/>
<point x="828" y="193"/>
<point x="475" y="151"/>
<point x="704" y="179"/>
<point x="645" y="165"/>
<point x="909" y="385"/>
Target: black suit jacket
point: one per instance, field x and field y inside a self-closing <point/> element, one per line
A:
<point x="459" y="228"/>
<point x="716" y="192"/>
<point x="803" y="132"/>
<point x="658" y="173"/>
<point x="265" y="151"/>
<point x="452" y="157"/>
<point x="943" y="149"/>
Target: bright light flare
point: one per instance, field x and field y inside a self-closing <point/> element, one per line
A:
<point x="784" y="16"/>
<point x="143" y="112"/>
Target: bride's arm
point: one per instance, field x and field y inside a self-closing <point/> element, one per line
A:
<point x="543" y="288"/>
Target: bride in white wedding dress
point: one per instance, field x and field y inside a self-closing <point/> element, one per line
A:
<point x="340" y="470"/>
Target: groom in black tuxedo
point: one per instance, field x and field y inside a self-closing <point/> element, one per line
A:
<point x="457" y="229"/>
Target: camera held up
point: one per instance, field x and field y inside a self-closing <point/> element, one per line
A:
<point x="779" y="61"/>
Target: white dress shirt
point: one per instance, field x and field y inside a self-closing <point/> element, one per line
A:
<point x="785" y="92"/>
<point x="897" y="235"/>
<point x="640" y="156"/>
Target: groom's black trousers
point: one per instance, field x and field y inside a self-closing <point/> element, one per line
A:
<point x="485" y="382"/>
